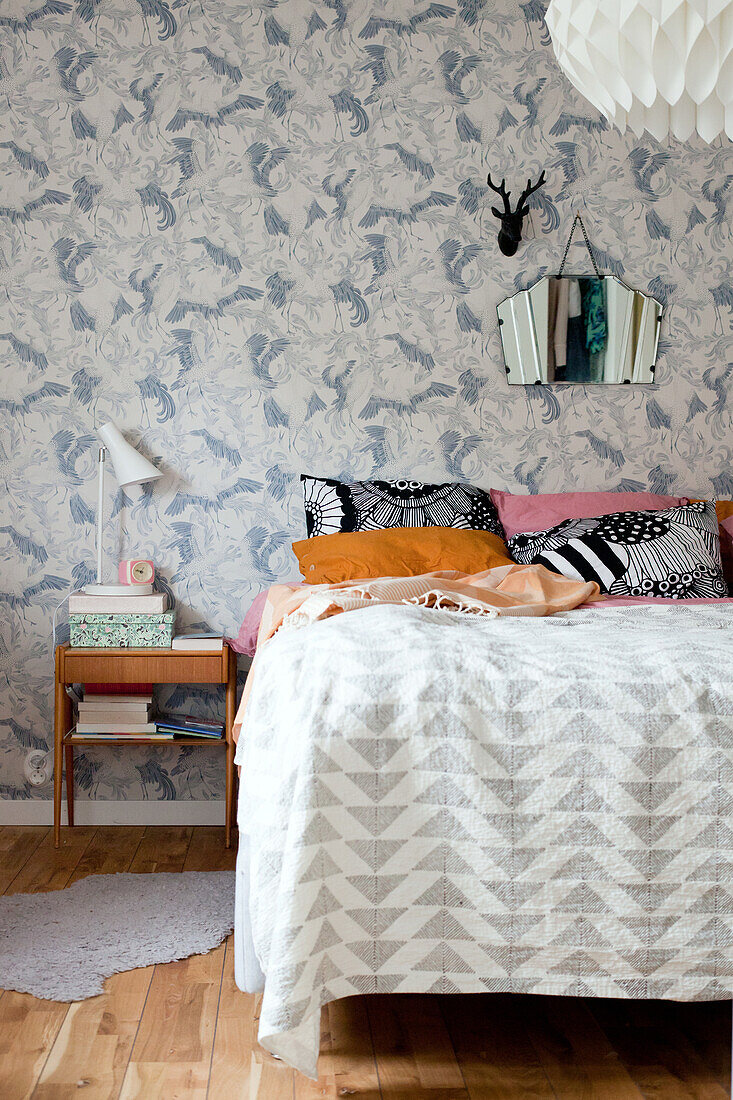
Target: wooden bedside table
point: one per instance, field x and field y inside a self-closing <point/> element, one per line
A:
<point x="135" y="666"/>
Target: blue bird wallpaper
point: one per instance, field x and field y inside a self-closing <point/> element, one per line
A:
<point x="257" y="234"/>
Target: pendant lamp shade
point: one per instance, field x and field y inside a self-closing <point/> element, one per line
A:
<point x="665" y="66"/>
<point x="131" y="468"/>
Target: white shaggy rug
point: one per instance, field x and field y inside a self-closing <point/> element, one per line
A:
<point x="62" y="945"/>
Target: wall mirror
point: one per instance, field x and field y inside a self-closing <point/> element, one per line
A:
<point x="579" y="328"/>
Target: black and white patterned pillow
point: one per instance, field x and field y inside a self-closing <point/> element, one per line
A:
<point x="673" y="553"/>
<point x="332" y="506"/>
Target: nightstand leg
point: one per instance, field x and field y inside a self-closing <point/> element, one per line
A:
<point x="62" y="722"/>
<point x="69" y="767"/>
<point x="230" y="711"/>
<point x="229" y="791"/>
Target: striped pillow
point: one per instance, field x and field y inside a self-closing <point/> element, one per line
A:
<point x="673" y="553"/>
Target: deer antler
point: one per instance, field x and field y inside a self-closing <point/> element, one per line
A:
<point x="504" y="194"/>
<point x="510" y="233"/>
<point x="529" y="190"/>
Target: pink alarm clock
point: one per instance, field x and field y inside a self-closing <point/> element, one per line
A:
<point x="137" y="571"/>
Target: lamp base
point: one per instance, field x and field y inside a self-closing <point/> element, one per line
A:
<point x="118" y="589"/>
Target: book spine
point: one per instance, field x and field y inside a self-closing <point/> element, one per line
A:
<point x="187" y="720"/>
<point x="214" y="730"/>
<point x="110" y="717"/>
<point x="116" y="727"/>
<point x="204" y="727"/>
<point x="203" y="732"/>
<point x="117" y="605"/>
<point x="122" y="708"/>
<point x="119" y="689"/>
<point x="119" y="736"/>
<point x="118" y="708"/>
<point x="138" y="701"/>
<point x="195" y="733"/>
<point x="117" y="701"/>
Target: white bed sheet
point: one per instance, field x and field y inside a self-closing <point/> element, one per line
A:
<point x="431" y="802"/>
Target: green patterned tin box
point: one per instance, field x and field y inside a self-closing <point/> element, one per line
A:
<point x="131" y="630"/>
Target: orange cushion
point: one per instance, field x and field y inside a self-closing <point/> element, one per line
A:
<point x="397" y="552"/>
<point x="724" y="508"/>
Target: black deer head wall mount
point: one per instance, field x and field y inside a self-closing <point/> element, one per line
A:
<point x="510" y="233"/>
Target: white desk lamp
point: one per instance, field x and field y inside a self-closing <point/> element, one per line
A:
<point x="130" y="468"/>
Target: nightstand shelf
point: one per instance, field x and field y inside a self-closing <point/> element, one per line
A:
<point x="135" y="666"/>
<point x="131" y="739"/>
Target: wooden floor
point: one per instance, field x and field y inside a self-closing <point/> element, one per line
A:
<point x="184" y="1030"/>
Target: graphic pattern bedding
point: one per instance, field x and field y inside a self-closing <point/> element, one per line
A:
<point x="431" y="802"/>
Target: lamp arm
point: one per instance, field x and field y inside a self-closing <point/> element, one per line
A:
<point x="100" y="511"/>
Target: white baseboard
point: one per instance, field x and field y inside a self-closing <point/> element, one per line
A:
<point x="91" y="812"/>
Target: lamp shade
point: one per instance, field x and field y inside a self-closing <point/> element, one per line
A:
<point x="665" y="66"/>
<point x="130" y="467"/>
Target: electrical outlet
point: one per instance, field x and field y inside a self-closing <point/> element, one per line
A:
<point x="37" y="767"/>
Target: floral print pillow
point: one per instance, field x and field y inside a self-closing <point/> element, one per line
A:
<point x="674" y="552"/>
<point x="332" y="506"/>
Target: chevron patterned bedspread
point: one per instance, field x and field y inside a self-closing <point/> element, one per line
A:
<point x="436" y="802"/>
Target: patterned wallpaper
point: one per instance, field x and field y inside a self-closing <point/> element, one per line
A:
<point x="257" y="234"/>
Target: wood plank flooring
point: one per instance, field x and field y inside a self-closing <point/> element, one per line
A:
<point x="184" y="1030"/>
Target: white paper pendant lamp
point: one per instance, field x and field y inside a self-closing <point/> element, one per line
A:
<point x="665" y="66"/>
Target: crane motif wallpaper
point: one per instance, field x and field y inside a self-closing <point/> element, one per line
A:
<point x="257" y="234"/>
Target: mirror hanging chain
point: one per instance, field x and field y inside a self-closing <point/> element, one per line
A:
<point x="577" y="219"/>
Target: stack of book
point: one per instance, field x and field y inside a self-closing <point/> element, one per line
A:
<point x="201" y="643"/>
<point x="185" y="725"/>
<point x="106" y="715"/>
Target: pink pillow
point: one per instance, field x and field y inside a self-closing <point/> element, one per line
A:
<point x="246" y="640"/>
<point x="519" y="513"/>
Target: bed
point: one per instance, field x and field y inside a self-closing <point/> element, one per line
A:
<point x="432" y="801"/>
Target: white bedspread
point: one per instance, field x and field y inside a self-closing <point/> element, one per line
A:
<point x="434" y="802"/>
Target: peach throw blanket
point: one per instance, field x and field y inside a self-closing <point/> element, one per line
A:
<point x="505" y="590"/>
